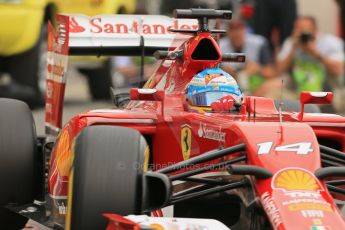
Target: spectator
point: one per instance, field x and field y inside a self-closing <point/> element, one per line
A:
<point x="258" y="67"/>
<point x="341" y="4"/>
<point x="274" y="13"/>
<point x="314" y="60"/>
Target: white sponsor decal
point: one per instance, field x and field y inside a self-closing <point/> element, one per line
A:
<point x="61" y="38"/>
<point x="305" y="200"/>
<point x="271" y="209"/>
<point x="147" y="91"/>
<point x="303" y="194"/>
<point x="318" y="94"/>
<point x="211" y="133"/>
<point x="301" y="148"/>
<point x="323" y="115"/>
<point x="312" y="213"/>
<point x="62" y="209"/>
<point x="177" y="223"/>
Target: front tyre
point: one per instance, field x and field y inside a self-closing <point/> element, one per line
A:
<point x="106" y="176"/>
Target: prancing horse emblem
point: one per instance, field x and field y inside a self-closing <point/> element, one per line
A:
<point x="186" y="141"/>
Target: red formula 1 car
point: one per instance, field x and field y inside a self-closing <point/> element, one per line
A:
<point x="253" y="167"/>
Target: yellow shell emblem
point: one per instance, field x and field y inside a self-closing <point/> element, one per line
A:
<point x="63" y="153"/>
<point x="296" y="179"/>
<point x="156" y="226"/>
<point x="186" y="141"/>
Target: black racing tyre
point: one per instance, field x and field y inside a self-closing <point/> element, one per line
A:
<point x="106" y="176"/>
<point x="295" y="106"/>
<point x="18" y="153"/>
<point x="99" y="80"/>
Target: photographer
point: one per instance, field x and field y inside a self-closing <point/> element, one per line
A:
<point x="314" y="60"/>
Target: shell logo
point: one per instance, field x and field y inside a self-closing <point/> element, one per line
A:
<point x="63" y="154"/>
<point x="156" y="226"/>
<point x="295" y="179"/>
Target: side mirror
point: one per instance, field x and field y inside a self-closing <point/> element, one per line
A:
<point x="169" y="55"/>
<point x="146" y="94"/>
<point x="314" y="98"/>
<point x="233" y="57"/>
<point x="157" y="191"/>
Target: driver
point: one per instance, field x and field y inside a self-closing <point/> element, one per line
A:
<point x="213" y="90"/>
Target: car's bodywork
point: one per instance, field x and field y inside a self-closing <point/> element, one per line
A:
<point x="287" y="144"/>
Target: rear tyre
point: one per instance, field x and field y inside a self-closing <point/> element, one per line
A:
<point x="106" y="176"/>
<point x="18" y="158"/>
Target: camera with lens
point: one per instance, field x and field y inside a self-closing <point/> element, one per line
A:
<point x="306" y="37"/>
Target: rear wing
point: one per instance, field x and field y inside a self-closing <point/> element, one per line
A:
<point x="125" y="34"/>
<point x="103" y="35"/>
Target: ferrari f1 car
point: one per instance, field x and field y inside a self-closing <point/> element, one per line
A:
<point x="154" y="164"/>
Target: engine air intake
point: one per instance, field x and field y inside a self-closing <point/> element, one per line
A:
<point x="205" y="50"/>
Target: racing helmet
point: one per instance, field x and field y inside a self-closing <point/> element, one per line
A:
<point x="210" y="85"/>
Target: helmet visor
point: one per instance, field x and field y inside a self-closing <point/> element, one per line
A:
<point x="206" y="98"/>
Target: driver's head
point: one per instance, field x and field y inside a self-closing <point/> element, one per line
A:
<point x="211" y="85"/>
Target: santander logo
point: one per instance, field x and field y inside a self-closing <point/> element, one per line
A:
<point x="74" y="27"/>
<point x="110" y="25"/>
<point x="55" y="69"/>
<point x="211" y="133"/>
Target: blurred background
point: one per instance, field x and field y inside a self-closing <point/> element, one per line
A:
<point x="293" y="45"/>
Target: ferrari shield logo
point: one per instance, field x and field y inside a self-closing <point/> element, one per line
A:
<point x="186" y="141"/>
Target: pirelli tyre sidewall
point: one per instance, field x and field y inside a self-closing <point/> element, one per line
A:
<point x="18" y="153"/>
<point x="106" y="176"/>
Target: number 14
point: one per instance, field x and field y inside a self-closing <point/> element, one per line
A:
<point x="301" y="148"/>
